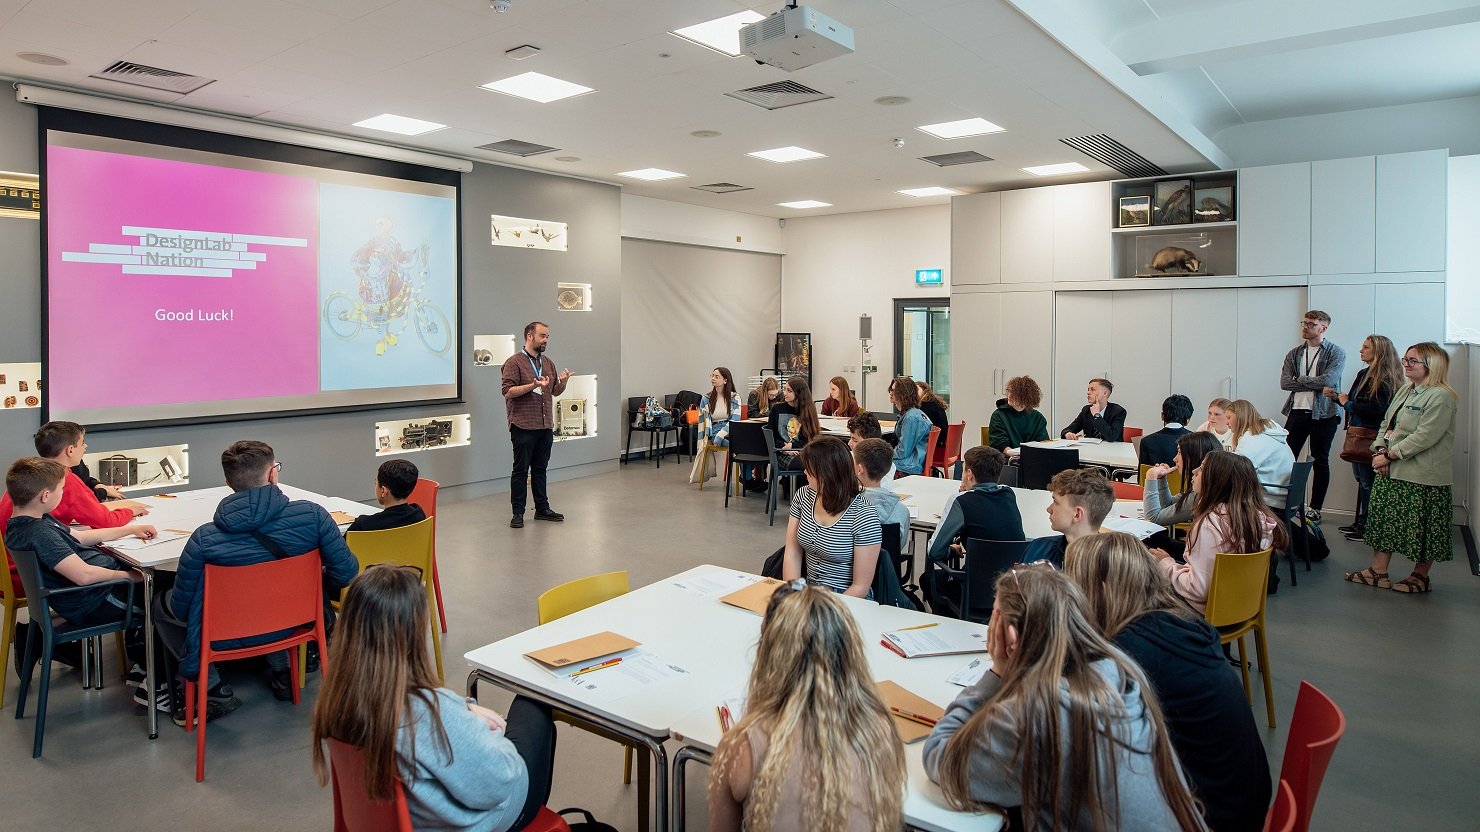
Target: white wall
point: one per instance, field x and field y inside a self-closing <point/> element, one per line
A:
<point x="1453" y="123"/>
<point x="675" y="222"/>
<point x="1462" y="306"/>
<point x="1469" y="429"/>
<point x="841" y="266"/>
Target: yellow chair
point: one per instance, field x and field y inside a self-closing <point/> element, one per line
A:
<point x="707" y="450"/>
<point x="1173" y="478"/>
<point x="405" y="546"/>
<point x="1236" y="598"/>
<point x="12" y="598"/>
<point x="986" y="435"/>
<point x="574" y="596"/>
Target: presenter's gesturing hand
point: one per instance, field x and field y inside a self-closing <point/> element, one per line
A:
<point x="564" y="375"/>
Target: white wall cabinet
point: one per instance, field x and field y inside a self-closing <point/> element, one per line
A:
<point x="1028" y="235"/>
<point x="995" y="336"/>
<point x="1343" y="205"/>
<point x="1081" y="219"/>
<point x="1142" y="362"/>
<point x="1412" y="191"/>
<point x="1084" y="348"/>
<point x="1268" y="327"/>
<point x="1203" y="345"/>
<point x="1274" y="220"/>
<point x="976" y="239"/>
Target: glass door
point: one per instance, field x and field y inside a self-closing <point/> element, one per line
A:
<point x="922" y="342"/>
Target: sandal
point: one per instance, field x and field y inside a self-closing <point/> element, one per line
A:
<point x="1368" y="577"/>
<point x="1413" y="584"/>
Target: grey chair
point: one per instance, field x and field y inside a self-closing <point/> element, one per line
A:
<point x="748" y="446"/>
<point x="777" y="473"/>
<point x="1294" y="515"/>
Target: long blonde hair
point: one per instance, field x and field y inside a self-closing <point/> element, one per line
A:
<point x="764" y="393"/>
<point x="812" y="693"/>
<point x="1386" y="370"/>
<point x="1120" y="581"/>
<point x="1437" y="362"/>
<point x="1246" y="419"/>
<point x="1056" y="649"/>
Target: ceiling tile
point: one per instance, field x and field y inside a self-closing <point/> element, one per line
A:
<point x="195" y="61"/>
<point x="273" y="17"/>
<point x="198" y="33"/>
<point x="239" y="99"/>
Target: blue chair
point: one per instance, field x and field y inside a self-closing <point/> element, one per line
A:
<point x="47" y="633"/>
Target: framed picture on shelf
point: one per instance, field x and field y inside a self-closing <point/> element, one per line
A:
<point x="1172" y="202"/>
<point x="1213" y="204"/>
<point x="1134" y="211"/>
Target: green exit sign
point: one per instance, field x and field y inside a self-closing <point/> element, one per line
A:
<point x="930" y="277"/>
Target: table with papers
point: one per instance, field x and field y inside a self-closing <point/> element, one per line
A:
<point x="1116" y="456"/>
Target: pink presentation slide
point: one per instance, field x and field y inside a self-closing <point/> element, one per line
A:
<point x="178" y="282"/>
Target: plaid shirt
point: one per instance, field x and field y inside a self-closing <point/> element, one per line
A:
<point x="531" y="411"/>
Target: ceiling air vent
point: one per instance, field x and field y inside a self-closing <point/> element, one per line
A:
<point x="965" y="157"/>
<point x="1104" y="149"/>
<point x="515" y="147"/>
<point x="722" y="187"/>
<point x="778" y="95"/>
<point x="152" y="77"/>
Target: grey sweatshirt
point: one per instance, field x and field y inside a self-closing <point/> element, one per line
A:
<point x="996" y="774"/>
<point x="481" y="786"/>
<point x="1160" y="507"/>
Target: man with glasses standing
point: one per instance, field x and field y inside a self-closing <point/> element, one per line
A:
<point x="530" y="386"/>
<point x="1308" y="369"/>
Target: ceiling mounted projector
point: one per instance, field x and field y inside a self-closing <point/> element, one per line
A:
<point x="795" y="37"/>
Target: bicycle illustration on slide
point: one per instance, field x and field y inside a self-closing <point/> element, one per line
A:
<point x="391" y="296"/>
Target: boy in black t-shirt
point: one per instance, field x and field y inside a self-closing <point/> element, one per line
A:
<point x="394" y="483"/>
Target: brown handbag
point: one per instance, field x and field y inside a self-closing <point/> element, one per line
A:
<point x="1358" y="445"/>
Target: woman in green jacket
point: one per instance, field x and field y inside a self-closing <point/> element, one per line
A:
<point x="1016" y="420"/>
<point x="1410" y="510"/>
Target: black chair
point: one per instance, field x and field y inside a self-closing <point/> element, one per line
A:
<point x="986" y="560"/>
<point x="904" y="565"/>
<point x="1009" y="476"/>
<point x="47" y="633"/>
<point x="748" y="446"/>
<point x="655" y="434"/>
<point x="1294" y="515"/>
<point x="678" y="404"/>
<point x="887" y="588"/>
<point x="1037" y="466"/>
<point x="777" y="473"/>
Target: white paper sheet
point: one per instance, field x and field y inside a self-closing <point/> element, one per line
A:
<point x="638" y="671"/>
<point x="972" y="672"/>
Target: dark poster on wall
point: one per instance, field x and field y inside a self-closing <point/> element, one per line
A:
<point x="794" y="355"/>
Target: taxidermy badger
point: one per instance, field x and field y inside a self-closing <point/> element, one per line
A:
<point x="1173" y="258"/>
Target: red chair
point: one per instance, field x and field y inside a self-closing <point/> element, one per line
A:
<point x="1127" y="434"/>
<point x="1127" y="490"/>
<point x="945" y="458"/>
<point x="245" y="601"/>
<point x="928" y="469"/>
<point x="1282" y="813"/>
<point x="425" y="495"/>
<point x="1315" y="729"/>
<point x="355" y="812"/>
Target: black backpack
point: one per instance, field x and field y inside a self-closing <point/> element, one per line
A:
<point x="590" y="824"/>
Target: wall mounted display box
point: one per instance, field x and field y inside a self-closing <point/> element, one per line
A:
<point x="517" y="232"/>
<point x="1175" y="226"/>
<point x="141" y="469"/>
<point x="575" y="409"/>
<point x="423" y="434"/>
<point x="492" y="350"/>
<point x="20" y="195"/>
<point x="573" y="297"/>
<point x="20" y="385"/>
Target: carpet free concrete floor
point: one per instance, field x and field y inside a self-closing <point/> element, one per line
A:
<point x="1406" y="671"/>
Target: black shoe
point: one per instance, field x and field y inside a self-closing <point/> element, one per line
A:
<point x="161" y="697"/>
<point x="311" y="665"/>
<point x="1347" y="529"/>
<point x="516" y="522"/>
<point x="214" y="711"/>
<point x="1358" y="535"/>
<point x="552" y="516"/>
<point x="282" y="685"/>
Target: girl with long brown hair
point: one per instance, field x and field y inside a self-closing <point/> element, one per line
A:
<point x="794" y="421"/>
<point x="1064" y="725"/>
<point x="934" y="408"/>
<point x="840" y="401"/>
<point x="1207" y="716"/>
<point x="764" y="397"/>
<point x="815" y="749"/>
<point x="1371" y="393"/>
<point x="719" y="407"/>
<point x="1230" y="515"/>
<point x="1157" y="503"/>
<point x="463" y="766"/>
<point x="833" y="536"/>
<point x="913" y="427"/>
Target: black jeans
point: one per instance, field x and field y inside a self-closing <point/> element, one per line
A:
<point x="1365" y="477"/>
<point x="1321" y="433"/>
<point x="532" y="732"/>
<point x="531" y="459"/>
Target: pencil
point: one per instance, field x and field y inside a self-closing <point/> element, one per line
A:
<point x="919" y="627"/>
<point x="911" y="716"/>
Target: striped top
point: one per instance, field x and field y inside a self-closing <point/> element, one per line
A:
<point x="827" y="551"/>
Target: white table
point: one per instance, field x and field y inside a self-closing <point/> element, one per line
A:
<point x="187" y="511"/>
<point x="716" y="645"/>
<point x="838" y="426"/>
<point x="1117" y="456"/>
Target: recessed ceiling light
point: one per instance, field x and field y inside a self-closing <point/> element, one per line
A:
<point x="931" y="191"/>
<point x="722" y="34"/>
<point x="705" y="134"/>
<point x="567" y="158"/>
<point x="961" y="129"/>
<point x="651" y="174"/>
<point x="404" y="125"/>
<point x="1055" y="170"/>
<point x="791" y="153"/>
<point x="891" y="100"/>
<point x="805" y="203"/>
<point x="42" y="58"/>
<point x="536" y="87"/>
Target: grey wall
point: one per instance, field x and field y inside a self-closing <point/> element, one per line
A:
<point x="503" y="289"/>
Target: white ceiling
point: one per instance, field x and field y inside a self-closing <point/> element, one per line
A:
<point x="1178" y="70"/>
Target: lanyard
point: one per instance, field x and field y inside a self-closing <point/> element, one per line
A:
<point x="1310" y="360"/>
<point x="537" y="367"/>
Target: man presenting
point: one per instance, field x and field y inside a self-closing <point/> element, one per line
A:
<point x="1309" y="368"/>
<point x="530" y="388"/>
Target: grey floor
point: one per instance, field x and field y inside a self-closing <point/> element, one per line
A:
<point x="1406" y="671"/>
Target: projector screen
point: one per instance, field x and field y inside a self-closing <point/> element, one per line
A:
<point x="193" y="276"/>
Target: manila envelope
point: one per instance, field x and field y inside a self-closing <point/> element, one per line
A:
<point x="582" y="649"/>
<point x="909" y="730"/>
<point x="754" y="597"/>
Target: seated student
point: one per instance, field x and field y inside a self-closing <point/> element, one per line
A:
<point x="794" y="421"/>
<point x="913" y="427"/>
<point x="68" y="557"/>
<point x="866" y="426"/>
<point x="394" y="483"/>
<point x="1217" y="422"/>
<point x="1159" y="506"/>
<point x="718" y="407"/>
<point x="840" y="401"/>
<point x="1082" y="498"/>
<point x="872" y="459"/>
<point x="1265" y="444"/>
<point x="982" y="509"/>
<point x="764" y="397"/>
<point x="462" y="765"/>
<point x="816" y="748"/>
<point x="1207" y="716"/>
<point x="1063" y="728"/>
<point x="62" y="442"/>
<point x="1016" y="419"/>
<point x="1158" y="448"/>
<point x="934" y="410"/>
<point x="255" y="524"/>
<point x="833" y="536"/>
<point x="1230" y="515"/>
<point x="1100" y="419"/>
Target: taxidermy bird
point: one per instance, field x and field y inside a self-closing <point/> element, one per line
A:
<point x="1178" y="203"/>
